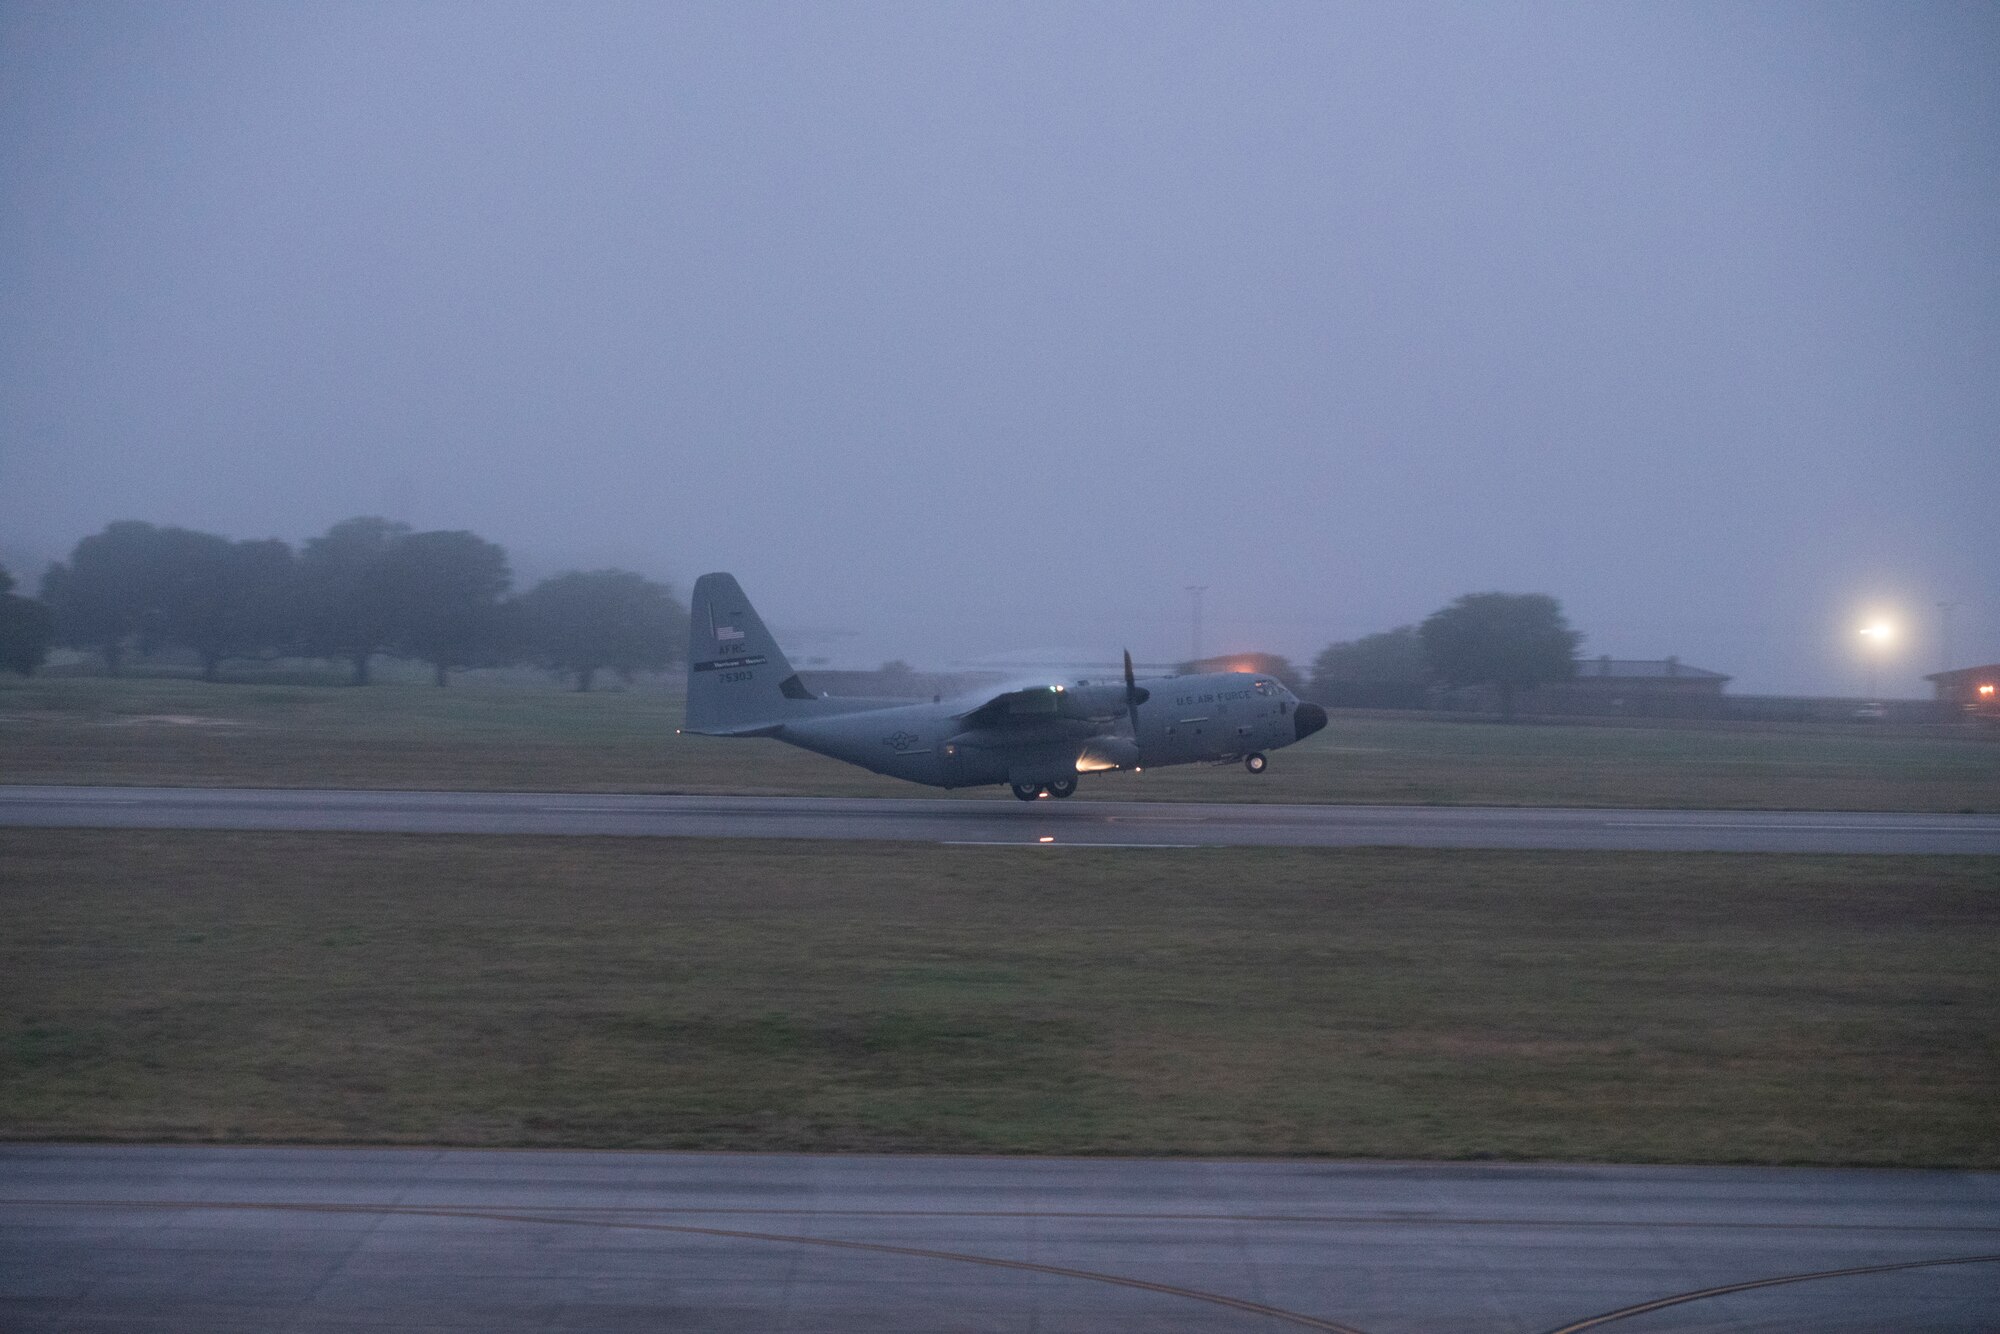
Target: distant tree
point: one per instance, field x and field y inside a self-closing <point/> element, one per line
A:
<point x="344" y="591"/>
<point x="895" y="667"/>
<point x="1270" y="664"/>
<point x="107" y="597"/>
<point x="1379" y="671"/>
<point x="27" y="628"/>
<point x="1510" y="641"/>
<point x="191" y="594"/>
<point x="584" y="623"/>
<point x="226" y="599"/>
<point x="265" y="620"/>
<point x="442" y="595"/>
<point x="137" y="586"/>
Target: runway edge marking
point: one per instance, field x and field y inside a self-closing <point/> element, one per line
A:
<point x="1679" y="1299"/>
<point x="1299" y="1318"/>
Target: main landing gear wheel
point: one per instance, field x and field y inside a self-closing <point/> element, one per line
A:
<point x="1027" y="791"/>
<point x="1255" y="762"/>
<point x="1062" y="787"/>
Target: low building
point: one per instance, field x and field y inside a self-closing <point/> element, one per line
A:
<point x="1974" y="690"/>
<point x="1632" y="687"/>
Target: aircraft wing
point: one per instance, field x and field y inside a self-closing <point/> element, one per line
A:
<point x="1028" y="705"/>
<point x="741" y="729"/>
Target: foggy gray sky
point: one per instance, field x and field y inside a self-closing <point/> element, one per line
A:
<point x="984" y="328"/>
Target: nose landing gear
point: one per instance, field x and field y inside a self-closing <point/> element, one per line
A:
<point x="1255" y="762"/>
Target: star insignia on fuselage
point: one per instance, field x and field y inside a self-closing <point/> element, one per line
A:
<point x="901" y="740"/>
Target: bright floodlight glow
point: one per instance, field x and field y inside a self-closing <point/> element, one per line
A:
<point x="1879" y="631"/>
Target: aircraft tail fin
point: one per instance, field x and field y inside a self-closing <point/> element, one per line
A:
<point x="739" y="682"/>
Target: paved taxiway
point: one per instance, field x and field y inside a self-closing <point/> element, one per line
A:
<point x="1064" y="823"/>
<point x="222" y="1239"/>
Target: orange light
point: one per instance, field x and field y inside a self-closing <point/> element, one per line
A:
<point x="1987" y="691"/>
<point x="1047" y="838"/>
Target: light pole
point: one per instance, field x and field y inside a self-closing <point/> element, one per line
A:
<point x="1876" y="635"/>
<point x="1194" y="595"/>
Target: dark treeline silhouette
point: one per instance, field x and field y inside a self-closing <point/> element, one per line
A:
<point x="27" y="628"/>
<point x="598" y="620"/>
<point x="1507" y="642"/>
<point x="369" y="587"/>
<point x="1504" y="643"/>
<point x="1380" y="671"/>
<point x="366" y="587"/>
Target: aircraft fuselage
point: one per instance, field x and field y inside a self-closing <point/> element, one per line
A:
<point x="1216" y="717"/>
<point x="1035" y="738"/>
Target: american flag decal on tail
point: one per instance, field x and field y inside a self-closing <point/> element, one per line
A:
<point x="724" y="634"/>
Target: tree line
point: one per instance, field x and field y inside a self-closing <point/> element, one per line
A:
<point x="366" y="587"/>
<point x="1506" y="642"/>
<point x="370" y="587"/>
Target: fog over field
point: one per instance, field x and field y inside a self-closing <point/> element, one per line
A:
<point x="962" y="330"/>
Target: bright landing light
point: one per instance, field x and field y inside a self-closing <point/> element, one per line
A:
<point x="1880" y="632"/>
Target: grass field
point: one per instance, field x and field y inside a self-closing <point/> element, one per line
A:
<point x="403" y="989"/>
<point x="97" y="730"/>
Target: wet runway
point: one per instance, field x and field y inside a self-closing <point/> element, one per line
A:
<point x="143" y="1239"/>
<point x="1058" y="823"/>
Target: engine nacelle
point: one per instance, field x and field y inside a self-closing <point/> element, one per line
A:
<point x="1107" y="752"/>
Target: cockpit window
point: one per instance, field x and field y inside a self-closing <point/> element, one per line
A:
<point x="1263" y="687"/>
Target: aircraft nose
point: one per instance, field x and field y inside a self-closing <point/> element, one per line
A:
<point x="1307" y="719"/>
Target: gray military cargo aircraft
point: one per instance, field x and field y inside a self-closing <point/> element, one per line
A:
<point x="1036" y="739"/>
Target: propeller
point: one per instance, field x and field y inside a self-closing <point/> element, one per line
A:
<point x="1134" y="697"/>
